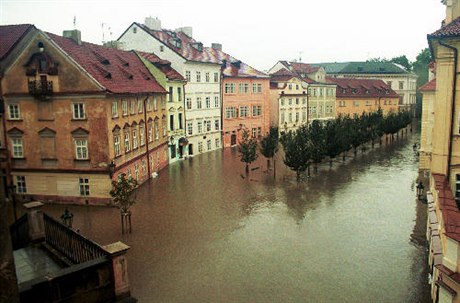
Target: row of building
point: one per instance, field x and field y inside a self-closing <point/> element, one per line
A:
<point x="440" y="157"/>
<point x="76" y="114"/>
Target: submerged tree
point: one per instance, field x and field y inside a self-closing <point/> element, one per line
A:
<point x="317" y="136"/>
<point x="247" y="149"/>
<point x="123" y="197"/>
<point x="297" y="150"/>
<point x="269" y="145"/>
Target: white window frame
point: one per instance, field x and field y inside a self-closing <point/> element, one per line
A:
<point x="21" y="185"/>
<point x="81" y="148"/>
<point x="78" y="111"/>
<point x="84" y="187"/>
<point x="17" y="147"/>
<point x="14" y="111"/>
<point x="114" y="109"/>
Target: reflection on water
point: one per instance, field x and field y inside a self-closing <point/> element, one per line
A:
<point x="204" y="232"/>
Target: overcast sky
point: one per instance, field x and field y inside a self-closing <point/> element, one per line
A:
<point x="257" y="32"/>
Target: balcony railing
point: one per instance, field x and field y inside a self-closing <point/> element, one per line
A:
<point x="40" y="88"/>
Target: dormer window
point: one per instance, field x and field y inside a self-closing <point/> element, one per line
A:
<point x="176" y="42"/>
<point x="344" y="90"/>
<point x="198" y="46"/>
<point x="354" y="91"/>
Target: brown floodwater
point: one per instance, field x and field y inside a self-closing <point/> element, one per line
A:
<point x="204" y="232"/>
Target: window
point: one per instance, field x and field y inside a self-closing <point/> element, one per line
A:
<point x="208" y="125"/>
<point x="114" y="109"/>
<point x="116" y="145"/>
<point x="216" y="77"/>
<point x="389" y="83"/>
<point x="200" y="147"/>
<point x="290" y="101"/>
<point x="229" y="88"/>
<point x="401" y="84"/>
<point x="198" y="76"/>
<point x="136" y="171"/>
<point x="135" y="137"/>
<point x="78" y="111"/>
<point x="209" y="144"/>
<point x="200" y="127"/>
<point x="244" y="111"/>
<point x="254" y="132"/>
<point x="341" y="103"/>
<point x="81" y="149"/>
<point x="290" y="86"/>
<point x="189" y="103"/>
<point x="282" y="117"/>
<point x="290" y="117"/>
<point x="155" y="103"/>
<point x="127" y="143"/>
<point x="230" y="112"/>
<point x="356" y="103"/>
<point x="244" y="88"/>
<point x="124" y="107"/>
<point x="188" y="76"/>
<point x="132" y="104"/>
<point x="282" y="102"/>
<point x="320" y="92"/>
<point x="216" y="101"/>
<point x="297" y="101"/>
<point x="13" y="112"/>
<point x="217" y="142"/>
<point x="189" y="128"/>
<point x="256" y="110"/>
<point x="144" y="168"/>
<point x="179" y="94"/>
<point x="207" y="77"/>
<point x="157" y="131"/>
<point x="84" y="186"/>
<point x="150" y="132"/>
<point x="208" y="102"/>
<point x="297" y="117"/>
<point x="21" y="187"/>
<point x="148" y="106"/>
<point x="457" y="186"/>
<point x="304" y="116"/>
<point x="18" y="149"/>
<point x="162" y="48"/>
<point x="163" y="125"/>
<point x="171" y="122"/>
<point x="142" y="133"/>
<point x="216" y="124"/>
<point x="180" y="120"/>
<point x="304" y="101"/>
<point x="170" y="95"/>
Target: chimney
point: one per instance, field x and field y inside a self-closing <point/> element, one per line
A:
<point x="74" y="34"/>
<point x="216" y="46"/>
<point x="186" y="30"/>
<point x="153" y="23"/>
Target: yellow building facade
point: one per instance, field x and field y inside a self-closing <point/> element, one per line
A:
<point x="440" y="155"/>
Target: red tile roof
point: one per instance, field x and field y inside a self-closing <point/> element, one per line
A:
<point x="304" y="68"/>
<point x="282" y="75"/>
<point x="10" y="35"/>
<point x="448" y="206"/>
<point x="362" y="88"/>
<point x="163" y="65"/>
<point x="116" y="70"/>
<point x="429" y="86"/>
<point x="450" y="30"/>
<point x="190" y="50"/>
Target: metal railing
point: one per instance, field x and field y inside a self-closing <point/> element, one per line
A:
<point x="40" y="88"/>
<point x="72" y="245"/>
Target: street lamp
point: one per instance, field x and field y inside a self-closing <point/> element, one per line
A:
<point x="67" y="218"/>
<point x="12" y="189"/>
<point x="111" y="167"/>
<point x="420" y="190"/>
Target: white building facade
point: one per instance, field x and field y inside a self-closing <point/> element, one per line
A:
<point x="202" y="70"/>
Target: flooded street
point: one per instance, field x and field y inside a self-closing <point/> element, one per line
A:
<point x="203" y="232"/>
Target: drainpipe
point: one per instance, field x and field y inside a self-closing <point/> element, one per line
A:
<point x="454" y="90"/>
<point x="146" y="136"/>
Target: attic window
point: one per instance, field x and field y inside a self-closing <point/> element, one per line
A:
<point x="367" y="91"/>
<point x="123" y="61"/>
<point x="176" y="42"/>
<point x="103" y="72"/>
<point x="344" y="90"/>
<point x="198" y="46"/>
<point x="101" y="59"/>
<point x="162" y="48"/>
<point x="125" y="73"/>
<point x="354" y="91"/>
<point x="134" y="30"/>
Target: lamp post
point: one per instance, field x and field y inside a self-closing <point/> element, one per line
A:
<point x="12" y="189"/>
<point x="111" y="167"/>
<point x="420" y="190"/>
<point x="67" y="218"/>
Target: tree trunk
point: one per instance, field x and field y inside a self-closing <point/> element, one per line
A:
<point x="298" y="175"/>
<point x="247" y="168"/>
<point x="268" y="164"/>
<point x="316" y="168"/>
<point x="355" y="151"/>
<point x="308" y="171"/>
<point x="330" y="163"/>
<point x="274" y="168"/>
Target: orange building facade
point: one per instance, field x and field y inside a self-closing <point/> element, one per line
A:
<point x="358" y="96"/>
<point x="245" y="106"/>
<point x="77" y="115"/>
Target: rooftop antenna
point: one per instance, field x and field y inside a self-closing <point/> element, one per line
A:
<point x="300" y="56"/>
<point x="74" y="22"/>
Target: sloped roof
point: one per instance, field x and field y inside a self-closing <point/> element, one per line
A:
<point x="448" y="207"/>
<point x="362" y="88"/>
<point x="190" y="50"/>
<point x="363" y="67"/>
<point x="163" y="65"/>
<point x="429" y="86"/>
<point x="282" y="75"/>
<point x="304" y="68"/>
<point x="10" y="35"/>
<point x="450" y="30"/>
<point x="116" y="70"/>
